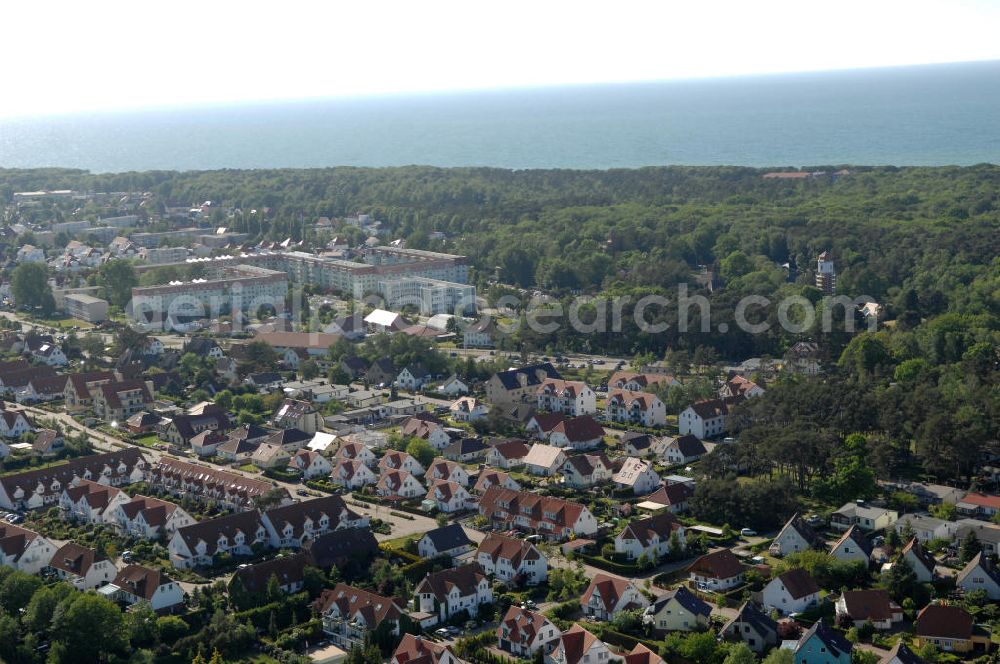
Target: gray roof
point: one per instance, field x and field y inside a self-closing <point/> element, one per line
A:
<point x="449" y="537"/>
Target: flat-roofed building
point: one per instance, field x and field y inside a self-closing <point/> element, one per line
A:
<point x="86" y="307"/>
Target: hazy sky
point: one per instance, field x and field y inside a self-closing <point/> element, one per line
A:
<point x="61" y="56"/>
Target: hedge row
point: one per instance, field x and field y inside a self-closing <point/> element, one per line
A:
<point x="605" y="564"/>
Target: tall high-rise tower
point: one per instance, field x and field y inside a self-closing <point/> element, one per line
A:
<point x="826" y="273"/>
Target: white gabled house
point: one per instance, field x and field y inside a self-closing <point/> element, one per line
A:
<point x="607" y="596"/>
<point x="451" y="591"/>
<point x="652" y="537"/>
<point x="512" y="560"/>
<point x="791" y="592"/>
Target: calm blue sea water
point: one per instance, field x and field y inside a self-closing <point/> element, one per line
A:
<point x="929" y="115"/>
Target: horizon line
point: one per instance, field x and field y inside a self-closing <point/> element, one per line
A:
<point x="444" y="92"/>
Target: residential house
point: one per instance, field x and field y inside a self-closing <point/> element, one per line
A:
<point x="679" y="610"/>
<point x="640" y="654"/>
<point x="641" y="382"/>
<point x="204" y="347"/>
<point x="50" y="354"/>
<point x="136" y="583"/>
<point x="682" y="449"/>
<point x="417" y="650"/>
<point x="640" y="408"/>
<point x="519" y="385"/>
<point x="707" y="418"/>
<point x="512" y="560"/>
<point x="578" y="433"/>
<point x="637" y="475"/>
<point x="488" y="478"/>
<point x="142" y="422"/>
<point x="297" y="414"/>
<point x="637" y="444"/>
<point x="450" y="540"/>
<point x="740" y="386"/>
<point x="381" y="372"/>
<point x="987" y="534"/>
<point x="231" y="490"/>
<point x="268" y="456"/>
<point x="427" y="429"/>
<point x="550" y="517"/>
<point x="864" y="516"/>
<point x="197" y="545"/>
<point x="311" y="464"/>
<point x="570" y="397"/>
<point x="413" y="377"/>
<point x="920" y="561"/>
<point x="544" y="460"/>
<point x="980" y="573"/>
<point x="349" y="614"/>
<point x="290" y="526"/>
<point x="453" y="591"/>
<point x="753" y="627"/>
<point x="948" y="628"/>
<point x="652" y="537"/>
<point x="453" y="386"/>
<point x="579" y="646"/>
<point x="352" y="474"/>
<point x="928" y="494"/>
<point x="608" y="595"/>
<point x="582" y="471"/>
<point x="926" y="528"/>
<point x="397" y="460"/>
<point x="717" y="571"/>
<point x="81" y="567"/>
<point x="979" y="506"/>
<point x="290" y="440"/>
<point x="853" y="546"/>
<point x="448" y="496"/>
<point x="180" y="429"/>
<point x="358" y="451"/>
<point x="901" y="654"/>
<point x="507" y="455"/>
<point x="264" y="381"/>
<point x="795" y="536"/>
<point x="791" y="592"/>
<point x="149" y="518"/>
<point x="287" y="570"/>
<point x="673" y="497"/>
<point x="206" y="443"/>
<point x="24" y="549"/>
<point x="80" y="387"/>
<point x="467" y="450"/>
<point x="351" y="549"/>
<point x="804" y="358"/>
<point x="857" y="607"/>
<point x="117" y="401"/>
<point x="41" y="487"/>
<point x="468" y="409"/>
<point x="90" y="502"/>
<point x="442" y="469"/>
<point x="821" y="645"/>
<point x="13" y="423"/>
<point x="399" y="484"/>
<point x="524" y="633"/>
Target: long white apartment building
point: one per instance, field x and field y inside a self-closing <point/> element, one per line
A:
<point x="444" y="275"/>
<point x="241" y="287"/>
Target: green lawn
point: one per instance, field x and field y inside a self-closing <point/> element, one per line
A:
<point x="248" y="468"/>
<point x="147" y="440"/>
<point x="62" y="323"/>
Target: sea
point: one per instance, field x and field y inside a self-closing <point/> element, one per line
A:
<point x="920" y="115"/>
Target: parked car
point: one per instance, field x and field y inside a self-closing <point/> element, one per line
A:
<point x="443" y="632"/>
<point x="748" y="532"/>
